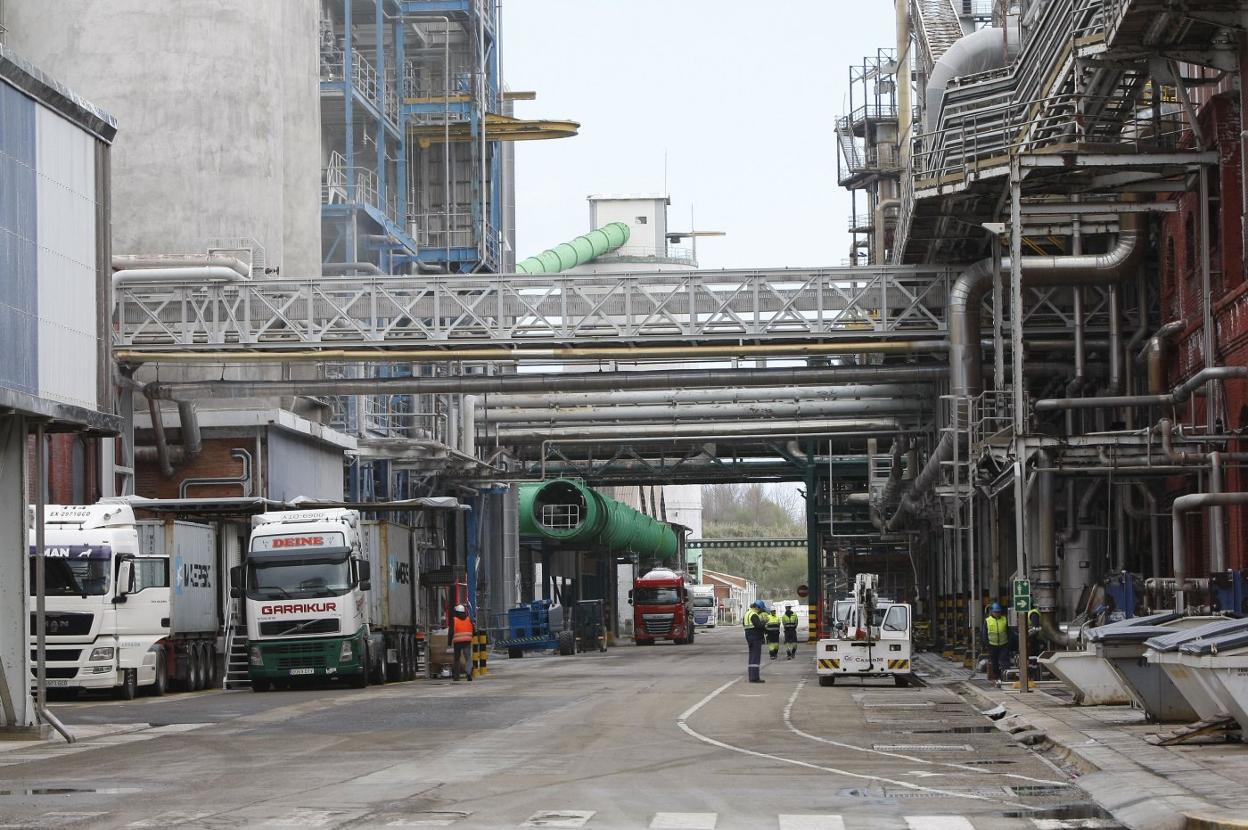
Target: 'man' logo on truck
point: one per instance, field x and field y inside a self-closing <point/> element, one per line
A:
<point x="300" y="608"/>
<point x="298" y="541"/>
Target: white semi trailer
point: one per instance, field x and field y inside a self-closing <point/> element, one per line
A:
<point x="129" y="604"/>
<point x="328" y="596"/>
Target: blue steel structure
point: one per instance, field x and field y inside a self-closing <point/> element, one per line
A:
<point x="382" y="74"/>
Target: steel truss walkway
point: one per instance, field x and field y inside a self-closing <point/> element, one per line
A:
<point x="509" y="310"/>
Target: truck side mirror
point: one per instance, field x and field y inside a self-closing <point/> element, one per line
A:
<point x="364" y="572"/>
<point x="124" y="578"/>
<point x="236" y="581"/>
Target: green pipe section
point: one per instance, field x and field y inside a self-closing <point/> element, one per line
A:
<point x="577" y="252"/>
<point x="567" y="512"/>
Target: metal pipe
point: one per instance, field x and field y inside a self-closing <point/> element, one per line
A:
<point x="1154" y="524"/>
<point x="565" y="400"/>
<point x="371" y="354"/>
<point x="1184" y="504"/>
<point x="1115" y="341"/>
<point x="727" y="429"/>
<point x="548" y="382"/>
<point x="164" y="276"/>
<point x="158" y="433"/>
<point x="332" y="269"/>
<point x="129" y="262"/>
<point x="1154" y="354"/>
<point x="1044" y="570"/>
<point x="1217" y="528"/>
<point x="192" y="437"/>
<point x="1179" y="394"/>
<point x="877" y="241"/>
<point x="985" y="49"/>
<point x="705" y="412"/>
<point x="965" y="303"/>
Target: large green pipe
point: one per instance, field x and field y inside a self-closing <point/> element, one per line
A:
<point x="577" y="252"/>
<point x="567" y="512"/>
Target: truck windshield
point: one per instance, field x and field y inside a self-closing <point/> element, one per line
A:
<point x="704" y="602"/>
<point x="656" y="596"/>
<point x="304" y="577"/>
<point x="80" y="570"/>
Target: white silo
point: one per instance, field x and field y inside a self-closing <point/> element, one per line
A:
<point x="217" y="103"/>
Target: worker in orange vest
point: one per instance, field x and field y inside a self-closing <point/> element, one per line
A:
<point x="461" y="641"/>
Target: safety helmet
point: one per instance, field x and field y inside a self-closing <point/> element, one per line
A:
<point x="459" y="609"/>
<point x="996" y="608"/>
<point x="761" y="605"/>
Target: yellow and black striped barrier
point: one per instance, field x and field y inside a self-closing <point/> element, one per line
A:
<point x="480" y="654"/>
<point x="829" y="663"/>
<point x="898" y="665"/>
<point x="812" y="623"/>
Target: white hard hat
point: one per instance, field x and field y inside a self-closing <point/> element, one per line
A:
<point x="459" y="609"/>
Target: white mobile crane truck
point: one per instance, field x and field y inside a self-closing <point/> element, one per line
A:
<point x="328" y="595"/>
<point x="872" y="638"/>
<point x="130" y="603"/>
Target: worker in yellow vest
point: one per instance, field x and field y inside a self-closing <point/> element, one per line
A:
<point x="755" y="622"/>
<point x="773" y="633"/>
<point x="789" y="621"/>
<point x="998" y="631"/>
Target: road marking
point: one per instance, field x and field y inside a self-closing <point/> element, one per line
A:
<point x="437" y="818"/>
<point x="812" y="823"/>
<point x="560" y="818"/>
<point x="938" y="823"/>
<point x="1075" y="824"/>
<point x="56" y="819"/>
<point x="169" y="818"/>
<point x="306" y="818"/>
<point x="682" y="722"/>
<point x="684" y="821"/>
<point x="878" y="750"/>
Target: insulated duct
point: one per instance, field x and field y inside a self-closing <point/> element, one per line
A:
<point x="579" y="251"/>
<point x="554" y="382"/>
<point x="670" y="413"/>
<point x="980" y="51"/>
<point x="567" y="512"/>
<point x="677" y="432"/>
<point x="966" y="349"/>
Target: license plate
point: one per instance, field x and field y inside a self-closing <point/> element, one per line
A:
<point x="56" y="683"/>
<point x="294" y="672"/>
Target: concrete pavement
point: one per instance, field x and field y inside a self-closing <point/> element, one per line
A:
<point x="662" y="737"/>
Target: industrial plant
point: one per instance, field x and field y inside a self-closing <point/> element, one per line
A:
<point x="289" y="408"/>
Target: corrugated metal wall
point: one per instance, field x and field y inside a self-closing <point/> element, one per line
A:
<point x="298" y="467"/>
<point x="19" y="368"/>
<point x="68" y="346"/>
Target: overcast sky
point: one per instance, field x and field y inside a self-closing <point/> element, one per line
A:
<point x="740" y="96"/>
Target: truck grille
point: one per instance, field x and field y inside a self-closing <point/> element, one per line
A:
<point x="328" y="625"/>
<point x="58" y="655"/>
<point x="54" y="673"/>
<point x="658" y="623"/>
<point x="64" y="624"/>
<point x="298" y="655"/>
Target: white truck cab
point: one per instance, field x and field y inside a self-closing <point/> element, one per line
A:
<point x="126" y="600"/>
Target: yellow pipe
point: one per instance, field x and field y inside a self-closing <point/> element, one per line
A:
<point x="368" y="355"/>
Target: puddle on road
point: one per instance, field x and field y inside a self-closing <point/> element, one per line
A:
<point x="71" y="791"/>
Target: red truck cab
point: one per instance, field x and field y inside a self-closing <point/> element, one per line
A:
<point x="662" y="608"/>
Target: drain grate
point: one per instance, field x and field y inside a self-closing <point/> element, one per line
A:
<point x="1040" y="790"/>
<point x="922" y="747"/>
<point x="927" y="704"/>
<point x="988" y="762"/>
<point x="946" y="792"/>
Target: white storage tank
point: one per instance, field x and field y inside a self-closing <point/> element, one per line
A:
<point x="218" y="113"/>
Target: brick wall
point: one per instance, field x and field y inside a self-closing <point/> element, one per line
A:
<point x="1181" y="298"/>
<point x="214" y="462"/>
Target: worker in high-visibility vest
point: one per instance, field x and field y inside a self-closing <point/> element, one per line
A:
<point x="773" y="634"/>
<point x="998" y="639"/>
<point x="755" y="622"/>
<point x="789" y="621"/>
<point x="461" y="641"/>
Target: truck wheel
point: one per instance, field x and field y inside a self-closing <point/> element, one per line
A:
<point x="212" y="676"/>
<point x="567" y="643"/>
<point x="901" y="680"/>
<point x="129" y="687"/>
<point x="194" y="669"/>
<point x="161" y="685"/>
<point x="827" y="680"/>
<point x="379" y="674"/>
<point x="259" y="685"/>
<point x="515" y="653"/>
<point x="602" y="643"/>
<point x="201" y="657"/>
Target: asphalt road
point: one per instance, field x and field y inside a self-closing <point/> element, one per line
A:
<point x="662" y="737"/>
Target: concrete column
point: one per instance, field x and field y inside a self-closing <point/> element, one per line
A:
<point x="16" y="708"/>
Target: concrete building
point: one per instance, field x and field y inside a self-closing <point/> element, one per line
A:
<point x="55" y="361"/>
